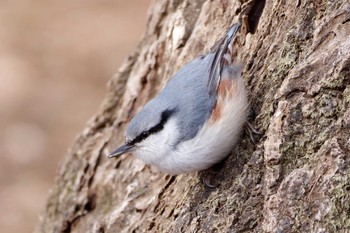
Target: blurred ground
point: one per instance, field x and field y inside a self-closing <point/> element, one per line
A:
<point x="55" y="60"/>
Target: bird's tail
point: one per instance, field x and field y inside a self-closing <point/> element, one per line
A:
<point x="223" y="56"/>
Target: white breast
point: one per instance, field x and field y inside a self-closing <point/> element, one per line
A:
<point x="156" y="148"/>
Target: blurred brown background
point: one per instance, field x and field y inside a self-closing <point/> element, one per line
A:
<point x="55" y="60"/>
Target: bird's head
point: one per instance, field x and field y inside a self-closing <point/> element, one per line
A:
<point x="148" y="124"/>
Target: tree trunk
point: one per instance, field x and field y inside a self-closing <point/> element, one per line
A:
<point x="295" y="58"/>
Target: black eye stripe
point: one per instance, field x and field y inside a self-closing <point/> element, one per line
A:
<point x="158" y="127"/>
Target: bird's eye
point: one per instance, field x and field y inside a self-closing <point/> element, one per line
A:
<point x="164" y="118"/>
<point x="145" y="133"/>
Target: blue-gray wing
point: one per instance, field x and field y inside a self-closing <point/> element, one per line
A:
<point x="189" y="94"/>
<point x="222" y="55"/>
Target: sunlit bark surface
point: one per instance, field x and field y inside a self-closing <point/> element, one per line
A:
<point x="295" y="58"/>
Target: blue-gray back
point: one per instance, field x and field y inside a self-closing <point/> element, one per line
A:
<point x="187" y="93"/>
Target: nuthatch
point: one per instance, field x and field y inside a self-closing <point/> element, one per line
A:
<point x="196" y="119"/>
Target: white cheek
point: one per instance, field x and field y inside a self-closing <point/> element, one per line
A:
<point x="159" y="145"/>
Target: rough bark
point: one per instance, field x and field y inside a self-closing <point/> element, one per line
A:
<point x="295" y="58"/>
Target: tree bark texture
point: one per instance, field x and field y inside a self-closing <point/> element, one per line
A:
<point x="295" y="58"/>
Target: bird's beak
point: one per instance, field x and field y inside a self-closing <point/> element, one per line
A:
<point x="121" y="150"/>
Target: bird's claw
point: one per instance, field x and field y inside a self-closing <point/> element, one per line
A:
<point x="250" y="130"/>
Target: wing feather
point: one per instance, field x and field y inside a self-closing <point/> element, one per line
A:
<point x="219" y="57"/>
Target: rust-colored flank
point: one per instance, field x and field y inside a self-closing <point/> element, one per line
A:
<point x="227" y="88"/>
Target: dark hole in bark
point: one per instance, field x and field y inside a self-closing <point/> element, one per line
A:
<point x="101" y="230"/>
<point x="91" y="203"/>
<point x="255" y="14"/>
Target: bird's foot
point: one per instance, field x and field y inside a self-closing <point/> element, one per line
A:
<point x="207" y="176"/>
<point x="207" y="182"/>
<point x="250" y="130"/>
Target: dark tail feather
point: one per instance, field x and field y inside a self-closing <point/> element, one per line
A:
<point x="222" y="49"/>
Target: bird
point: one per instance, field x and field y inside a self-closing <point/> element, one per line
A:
<point x="196" y="119"/>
